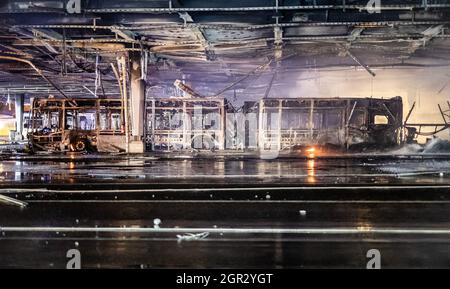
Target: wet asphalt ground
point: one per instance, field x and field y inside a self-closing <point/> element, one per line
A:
<point x="143" y="212"/>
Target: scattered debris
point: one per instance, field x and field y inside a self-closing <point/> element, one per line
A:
<point x="192" y="237"/>
<point x="156" y="223"/>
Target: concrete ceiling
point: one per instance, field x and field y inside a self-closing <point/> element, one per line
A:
<point x="216" y="46"/>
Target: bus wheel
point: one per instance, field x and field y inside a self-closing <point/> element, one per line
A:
<point x="80" y="145"/>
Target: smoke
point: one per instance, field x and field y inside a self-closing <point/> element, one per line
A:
<point x="435" y="146"/>
<point x="408" y="149"/>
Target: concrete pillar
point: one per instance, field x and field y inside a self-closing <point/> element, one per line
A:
<point x="137" y="99"/>
<point x="19" y="105"/>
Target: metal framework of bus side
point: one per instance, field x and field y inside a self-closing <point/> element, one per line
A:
<point x="413" y="130"/>
<point x="59" y="136"/>
<point x="342" y="122"/>
<point x="163" y="135"/>
<point x="283" y="123"/>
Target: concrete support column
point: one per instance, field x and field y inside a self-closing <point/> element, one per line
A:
<point x="137" y="99"/>
<point x="19" y="105"/>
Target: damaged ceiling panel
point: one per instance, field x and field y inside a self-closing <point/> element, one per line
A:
<point x="225" y="40"/>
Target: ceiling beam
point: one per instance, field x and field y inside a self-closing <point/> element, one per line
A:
<point x="125" y="34"/>
<point x="87" y="44"/>
<point x="200" y="35"/>
<point x="395" y="7"/>
<point x="428" y="35"/>
<point x="47" y="33"/>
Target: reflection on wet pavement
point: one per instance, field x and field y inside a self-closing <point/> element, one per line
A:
<point x="370" y="170"/>
<point x="143" y="212"/>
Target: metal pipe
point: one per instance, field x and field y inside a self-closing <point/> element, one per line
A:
<point x="351" y="114"/>
<point x="360" y="63"/>
<point x="13" y="201"/>
<point x="389" y="112"/>
<point x="158" y="46"/>
<point x="234" y="26"/>
<point x="409" y="113"/>
<point x="442" y="114"/>
<point x="262" y="8"/>
<point x="260" y="69"/>
<point x="125" y="102"/>
<point x="171" y="10"/>
<point x="90" y="91"/>
<point x="37" y="70"/>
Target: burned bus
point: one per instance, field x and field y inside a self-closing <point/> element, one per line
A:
<point x="176" y="124"/>
<point x="346" y="123"/>
<point x="281" y="124"/>
<point x="77" y="125"/>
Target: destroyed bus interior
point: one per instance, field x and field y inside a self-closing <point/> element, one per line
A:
<point x="225" y="134"/>
<point x="176" y="124"/>
<point x="343" y="123"/>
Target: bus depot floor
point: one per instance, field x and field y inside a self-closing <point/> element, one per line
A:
<point x="152" y="211"/>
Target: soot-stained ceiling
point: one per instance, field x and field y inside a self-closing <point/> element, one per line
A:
<point x="217" y="47"/>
